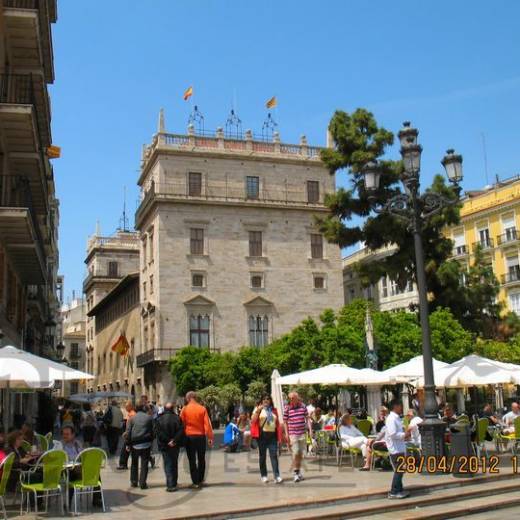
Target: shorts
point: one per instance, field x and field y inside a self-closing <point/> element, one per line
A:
<point x="298" y="444"/>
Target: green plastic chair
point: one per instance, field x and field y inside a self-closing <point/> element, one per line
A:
<point x="463" y="419"/>
<point x="513" y="437"/>
<point x="42" y="442"/>
<point x="5" y="470"/>
<point x="480" y="437"/>
<point x="406" y="421"/>
<point x="364" y="426"/>
<point x="341" y="450"/>
<point x="53" y="463"/>
<point x="92" y="460"/>
<point x="26" y="446"/>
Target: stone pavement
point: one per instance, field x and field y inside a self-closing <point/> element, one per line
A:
<point x="234" y="483"/>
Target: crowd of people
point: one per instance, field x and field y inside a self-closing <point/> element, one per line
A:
<point x="132" y="430"/>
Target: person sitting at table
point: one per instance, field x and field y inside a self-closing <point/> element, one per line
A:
<point x="351" y="437"/>
<point x="28" y="434"/>
<point x="413" y="427"/>
<point x="487" y="413"/>
<point x="449" y="415"/>
<point x="21" y="460"/>
<point x="509" y="418"/>
<point x="317" y="419"/>
<point x="71" y="446"/>
<point x="380" y="424"/>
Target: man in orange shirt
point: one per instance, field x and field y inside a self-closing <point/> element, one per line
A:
<point x="197" y="428"/>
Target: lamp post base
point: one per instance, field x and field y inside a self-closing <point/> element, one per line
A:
<point x="432" y="438"/>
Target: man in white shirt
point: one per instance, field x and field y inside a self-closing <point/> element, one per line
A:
<point x="351" y="437"/>
<point x="509" y="418"/>
<point x="413" y="428"/>
<point x="396" y="438"/>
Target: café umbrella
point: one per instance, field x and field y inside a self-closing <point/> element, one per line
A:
<point x="21" y="369"/>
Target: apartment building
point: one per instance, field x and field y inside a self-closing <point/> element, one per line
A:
<point x="109" y="260"/>
<point x="230" y="251"/>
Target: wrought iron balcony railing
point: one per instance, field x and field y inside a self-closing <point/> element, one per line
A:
<point x="460" y="250"/>
<point x="484" y="244"/>
<point x="510" y="235"/>
<point x="511" y="277"/>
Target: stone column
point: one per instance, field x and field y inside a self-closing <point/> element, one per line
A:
<point x="461" y="406"/>
<point x="405" y="395"/>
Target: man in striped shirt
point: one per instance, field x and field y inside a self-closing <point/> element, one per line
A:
<point x="296" y="423"/>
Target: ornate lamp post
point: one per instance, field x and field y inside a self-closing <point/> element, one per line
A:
<point x="415" y="208"/>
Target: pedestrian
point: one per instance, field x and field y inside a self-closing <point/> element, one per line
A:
<point x="139" y="437"/>
<point x="150" y="410"/>
<point x="124" y="453"/>
<point x="296" y="423"/>
<point x="113" y="420"/>
<point x="88" y="425"/>
<point x="395" y="438"/>
<point x="266" y="429"/>
<point x="170" y="436"/>
<point x="199" y="432"/>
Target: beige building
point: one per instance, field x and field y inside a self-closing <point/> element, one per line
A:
<point x="29" y="210"/>
<point x="386" y="294"/>
<point x="109" y="260"/>
<point x="116" y="314"/>
<point x="230" y="252"/>
<point x="73" y="341"/>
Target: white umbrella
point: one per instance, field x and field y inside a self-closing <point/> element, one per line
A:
<point x="276" y="394"/>
<point x="21" y="369"/>
<point x="337" y="374"/>
<point x="411" y="369"/>
<point x="474" y="370"/>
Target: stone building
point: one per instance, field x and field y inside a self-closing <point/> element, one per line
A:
<point x="109" y="260"/>
<point x="230" y="251"/>
<point x="118" y="314"/>
<point x="29" y="210"/>
<point x="73" y="341"/>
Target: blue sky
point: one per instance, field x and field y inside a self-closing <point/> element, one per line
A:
<point x="450" y="67"/>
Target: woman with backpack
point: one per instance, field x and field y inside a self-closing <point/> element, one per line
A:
<point x="88" y="425"/>
<point x="266" y="429"/>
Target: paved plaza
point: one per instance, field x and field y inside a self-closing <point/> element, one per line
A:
<point x="233" y="483"/>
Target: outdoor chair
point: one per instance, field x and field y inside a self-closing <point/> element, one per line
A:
<point x="5" y="470"/>
<point x="53" y="464"/>
<point x="42" y="442"/>
<point x="364" y="426"/>
<point x="26" y="446"/>
<point x="382" y="454"/>
<point x="341" y="450"/>
<point x="479" y="445"/>
<point x="514" y="437"/>
<point x="91" y="460"/>
<point x="406" y="421"/>
<point x="48" y="436"/>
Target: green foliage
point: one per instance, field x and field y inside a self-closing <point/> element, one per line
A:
<point x="188" y="368"/>
<point x="210" y="397"/>
<point x="255" y="390"/>
<point x="450" y="341"/>
<point x="508" y="352"/>
<point x="229" y="395"/>
<point x="358" y="139"/>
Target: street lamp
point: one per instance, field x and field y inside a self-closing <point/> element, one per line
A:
<point x="415" y="209"/>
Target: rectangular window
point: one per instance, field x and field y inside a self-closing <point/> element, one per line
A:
<point x="258" y="331"/>
<point x="144" y="290"/>
<point x="252" y="187"/>
<point x="194" y="184"/>
<point x="150" y="244"/>
<point x="255" y="243"/>
<point x="199" y="330"/>
<point x="74" y="350"/>
<point x="196" y="241"/>
<point x="197" y="280"/>
<point x="112" y="269"/>
<point x="257" y="281"/>
<point x="319" y="282"/>
<point x="316" y="245"/>
<point x="151" y="284"/>
<point x="514" y="302"/>
<point x="313" y="192"/>
<point x="483" y="235"/>
<point x="145" y="250"/>
<point x="384" y="286"/>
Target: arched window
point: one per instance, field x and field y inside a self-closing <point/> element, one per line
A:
<point x="199" y="330"/>
<point x="258" y="331"/>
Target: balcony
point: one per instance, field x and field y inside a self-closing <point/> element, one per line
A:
<point x="508" y="238"/>
<point x="27" y="25"/>
<point x="486" y="244"/>
<point x="93" y="278"/>
<point x="155" y="355"/>
<point x="459" y="251"/>
<point x="20" y="232"/>
<point x="224" y="192"/>
<point x="511" y="278"/>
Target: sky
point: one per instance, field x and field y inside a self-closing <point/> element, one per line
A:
<point x="451" y="68"/>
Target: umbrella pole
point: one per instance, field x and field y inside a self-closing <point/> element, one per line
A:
<point x="7" y="407"/>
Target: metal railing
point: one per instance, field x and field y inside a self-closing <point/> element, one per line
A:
<point x="159" y="355"/>
<point x="509" y="236"/>
<point x="511" y="276"/>
<point x="126" y="242"/>
<point x="460" y="250"/>
<point x="91" y="276"/>
<point x="484" y="244"/>
<point x="232" y="192"/>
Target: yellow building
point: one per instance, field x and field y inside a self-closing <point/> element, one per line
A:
<point x="491" y="217"/>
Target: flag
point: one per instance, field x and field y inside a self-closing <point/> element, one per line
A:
<point x="53" y="152"/>
<point x="271" y="103"/>
<point x="121" y="346"/>
<point x="187" y="93"/>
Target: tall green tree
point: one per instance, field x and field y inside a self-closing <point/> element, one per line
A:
<point x="359" y="139"/>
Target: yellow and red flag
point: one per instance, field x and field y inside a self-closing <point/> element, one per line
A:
<point x="53" y="152"/>
<point x="121" y="346"/>
<point x="271" y="103"/>
<point x="187" y="93"/>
